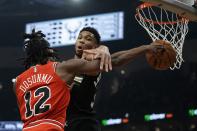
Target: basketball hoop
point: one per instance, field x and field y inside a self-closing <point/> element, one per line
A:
<point x="164" y="25"/>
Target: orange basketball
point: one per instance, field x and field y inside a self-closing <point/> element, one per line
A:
<point x="162" y="59"/>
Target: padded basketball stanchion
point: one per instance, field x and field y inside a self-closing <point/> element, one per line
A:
<point x="164" y="25"/>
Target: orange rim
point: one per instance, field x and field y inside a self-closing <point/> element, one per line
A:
<point x="146" y="5"/>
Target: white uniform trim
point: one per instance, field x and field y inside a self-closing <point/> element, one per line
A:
<point x="47" y="120"/>
<point x="42" y="124"/>
<point x="44" y="121"/>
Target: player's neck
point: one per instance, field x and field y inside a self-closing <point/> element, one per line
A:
<point x="77" y="57"/>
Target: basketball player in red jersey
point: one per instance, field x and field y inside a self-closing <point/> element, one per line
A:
<point x="42" y="91"/>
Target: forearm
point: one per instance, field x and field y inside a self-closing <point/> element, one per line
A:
<point x="123" y="57"/>
<point x="81" y="66"/>
<point x="90" y="66"/>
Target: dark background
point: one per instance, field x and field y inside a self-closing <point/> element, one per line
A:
<point x="136" y="89"/>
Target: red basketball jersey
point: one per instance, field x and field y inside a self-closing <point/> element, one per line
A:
<point x="42" y="96"/>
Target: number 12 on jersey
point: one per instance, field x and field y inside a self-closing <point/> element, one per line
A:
<point x="39" y="107"/>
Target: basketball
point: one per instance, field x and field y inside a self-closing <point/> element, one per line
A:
<point x="162" y="59"/>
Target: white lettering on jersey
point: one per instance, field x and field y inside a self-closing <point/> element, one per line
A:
<point x="97" y="80"/>
<point x="36" y="78"/>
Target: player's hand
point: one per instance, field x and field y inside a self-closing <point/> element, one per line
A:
<point x="104" y="55"/>
<point x="102" y="52"/>
<point x="89" y="54"/>
<point x="155" y="47"/>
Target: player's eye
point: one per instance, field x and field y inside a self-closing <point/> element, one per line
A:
<point x="89" y="39"/>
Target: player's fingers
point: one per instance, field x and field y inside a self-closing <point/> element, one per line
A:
<point x="99" y="54"/>
<point x="92" y="57"/>
<point x="96" y="56"/>
<point x="89" y="57"/>
<point x="106" y="64"/>
<point x="161" y="48"/>
<point x="110" y="64"/>
<point x="158" y="48"/>
<point x="102" y="62"/>
<point x="89" y="52"/>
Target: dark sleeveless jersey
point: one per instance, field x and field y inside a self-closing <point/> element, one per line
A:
<point x="82" y="97"/>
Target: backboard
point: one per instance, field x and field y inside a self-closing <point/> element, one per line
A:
<point x="182" y="7"/>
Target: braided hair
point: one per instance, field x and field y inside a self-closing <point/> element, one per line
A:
<point x="37" y="49"/>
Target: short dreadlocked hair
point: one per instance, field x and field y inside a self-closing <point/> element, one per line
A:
<point x="37" y="49"/>
<point x="94" y="32"/>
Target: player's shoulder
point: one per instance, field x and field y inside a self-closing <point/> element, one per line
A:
<point x="22" y="74"/>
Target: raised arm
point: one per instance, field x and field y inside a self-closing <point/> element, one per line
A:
<point x="123" y="57"/>
<point x="119" y="58"/>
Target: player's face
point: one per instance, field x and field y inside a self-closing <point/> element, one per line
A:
<point x="85" y="40"/>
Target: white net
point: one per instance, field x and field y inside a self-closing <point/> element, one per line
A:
<point x="164" y="25"/>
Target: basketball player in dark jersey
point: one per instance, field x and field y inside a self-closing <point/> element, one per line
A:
<point x="42" y="89"/>
<point x="80" y="113"/>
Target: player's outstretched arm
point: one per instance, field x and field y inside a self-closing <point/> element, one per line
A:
<point x="123" y="57"/>
<point x="118" y="58"/>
